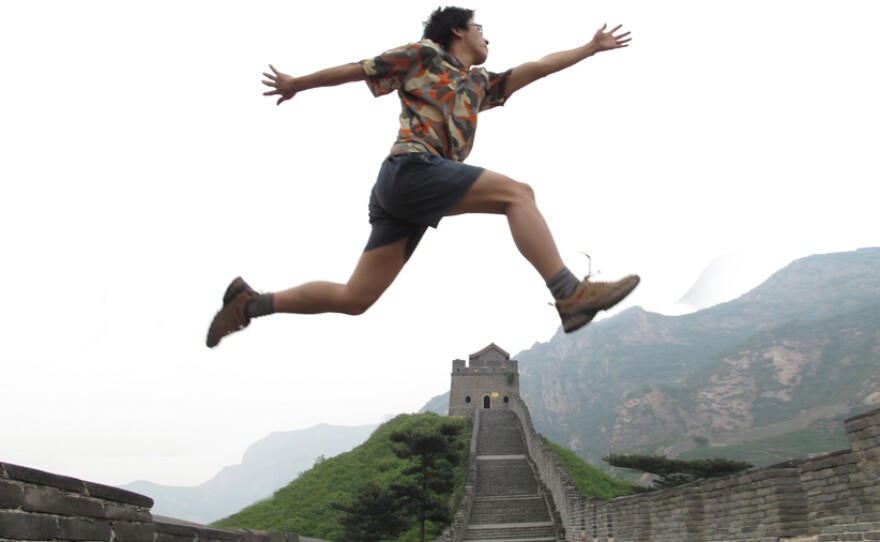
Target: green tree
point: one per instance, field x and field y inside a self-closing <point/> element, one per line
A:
<point x="372" y="516"/>
<point x="426" y="487"/>
<point x="674" y="472"/>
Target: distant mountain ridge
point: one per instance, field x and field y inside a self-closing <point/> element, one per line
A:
<point x="764" y="377"/>
<point x="267" y="465"/>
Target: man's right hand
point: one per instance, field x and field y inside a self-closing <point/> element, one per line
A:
<point x="283" y="85"/>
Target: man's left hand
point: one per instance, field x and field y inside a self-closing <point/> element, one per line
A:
<point x="608" y="40"/>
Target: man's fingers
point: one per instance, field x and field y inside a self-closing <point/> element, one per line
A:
<point x="615" y="29"/>
<point x="271" y="92"/>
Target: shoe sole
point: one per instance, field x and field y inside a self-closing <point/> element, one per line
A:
<point x="577" y="321"/>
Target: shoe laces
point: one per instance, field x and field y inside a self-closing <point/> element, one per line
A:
<point x="586" y="277"/>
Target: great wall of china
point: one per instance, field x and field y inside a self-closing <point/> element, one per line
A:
<point x="517" y="491"/>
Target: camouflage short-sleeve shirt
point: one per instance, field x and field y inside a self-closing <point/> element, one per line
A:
<point x="439" y="99"/>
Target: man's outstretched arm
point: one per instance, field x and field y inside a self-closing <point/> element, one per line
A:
<point x="530" y="72"/>
<point x="286" y="87"/>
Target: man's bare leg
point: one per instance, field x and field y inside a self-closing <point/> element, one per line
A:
<point x="577" y="302"/>
<point x="373" y="274"/>
<point x="498" y="194"/>
<point x="375" y="271"/>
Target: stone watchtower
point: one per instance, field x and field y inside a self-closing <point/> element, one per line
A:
<point x="489" y="381"/>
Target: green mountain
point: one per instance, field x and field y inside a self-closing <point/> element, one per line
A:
<point x="763" y="378"/>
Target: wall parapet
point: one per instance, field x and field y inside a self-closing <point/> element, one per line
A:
<point x="42" y="506"/>
<point x="827" y="498"/>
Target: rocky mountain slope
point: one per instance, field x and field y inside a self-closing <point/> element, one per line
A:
<point x="763" y="378"/>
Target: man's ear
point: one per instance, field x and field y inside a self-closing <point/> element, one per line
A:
<point x="458" y="33"/>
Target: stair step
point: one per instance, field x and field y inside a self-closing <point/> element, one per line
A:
<point x="509" y="510"/>
<point x="512" y="531"/>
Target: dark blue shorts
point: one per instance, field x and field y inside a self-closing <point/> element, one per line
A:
<point x="414" y="191"/>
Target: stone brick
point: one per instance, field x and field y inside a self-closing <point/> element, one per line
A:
<point x="23" y="526"/>
<point x="870" y="454"/>
<point x="126" y="513"/>
<point x="175" y="529"/>
<point x="164" y="537"/>
<point x="42" y="478"/>
<point x="39" y="499"/>
<point x="869" y="432"/>
<point x="11" y="495"/>
<point x="231" y="536"/>
<point x="132" y="532"/>
<point x="119" y="495"/>
<point x="76" y="529"/>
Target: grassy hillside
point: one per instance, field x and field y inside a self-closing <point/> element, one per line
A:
<point x="303" y="506"/>
<point x="592" y="481"/>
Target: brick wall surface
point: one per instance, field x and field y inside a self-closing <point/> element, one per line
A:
<point x="40" y="506"/>
<point x="832" y="497"/>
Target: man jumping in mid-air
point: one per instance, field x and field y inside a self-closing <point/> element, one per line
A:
<point x="424" y="178"/>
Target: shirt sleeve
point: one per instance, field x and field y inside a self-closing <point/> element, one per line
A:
<point x="387" y="72"/>
<point x="495" y="89"/>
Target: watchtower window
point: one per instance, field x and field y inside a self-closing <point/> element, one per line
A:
<point x="487" y="402"/>
<point x="506" y="399"/>
<point x="467" y="399"/>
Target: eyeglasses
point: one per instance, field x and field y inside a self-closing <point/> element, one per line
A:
<point x="479" y="27"/>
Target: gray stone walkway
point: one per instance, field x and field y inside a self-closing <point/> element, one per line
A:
<point x="508" y="505"/>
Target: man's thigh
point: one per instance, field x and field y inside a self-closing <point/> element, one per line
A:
<point x="491" y="193"/>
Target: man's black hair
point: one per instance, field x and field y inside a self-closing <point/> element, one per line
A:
<point x="439" y="27"/>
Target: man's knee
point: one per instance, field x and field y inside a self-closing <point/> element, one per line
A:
<point x="525" y="191"/>
<point x="512" y="190"/>
<point x="517" y="193"/>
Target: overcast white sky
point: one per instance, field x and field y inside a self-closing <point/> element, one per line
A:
<point x="142" y="170"/>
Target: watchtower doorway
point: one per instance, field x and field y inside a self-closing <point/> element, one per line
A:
<point x="487" y="402"/>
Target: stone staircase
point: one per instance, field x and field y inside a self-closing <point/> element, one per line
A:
<point x="509" y="504"/>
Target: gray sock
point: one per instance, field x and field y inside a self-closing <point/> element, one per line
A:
<point x="263" y="305"/>
<point x="563" y="284"/>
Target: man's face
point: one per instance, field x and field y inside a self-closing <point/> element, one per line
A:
<point x="479" y="45"/>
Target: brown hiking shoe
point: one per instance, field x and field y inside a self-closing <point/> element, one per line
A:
<point x="591" y="297"/>
<point x="232" y="316"/>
